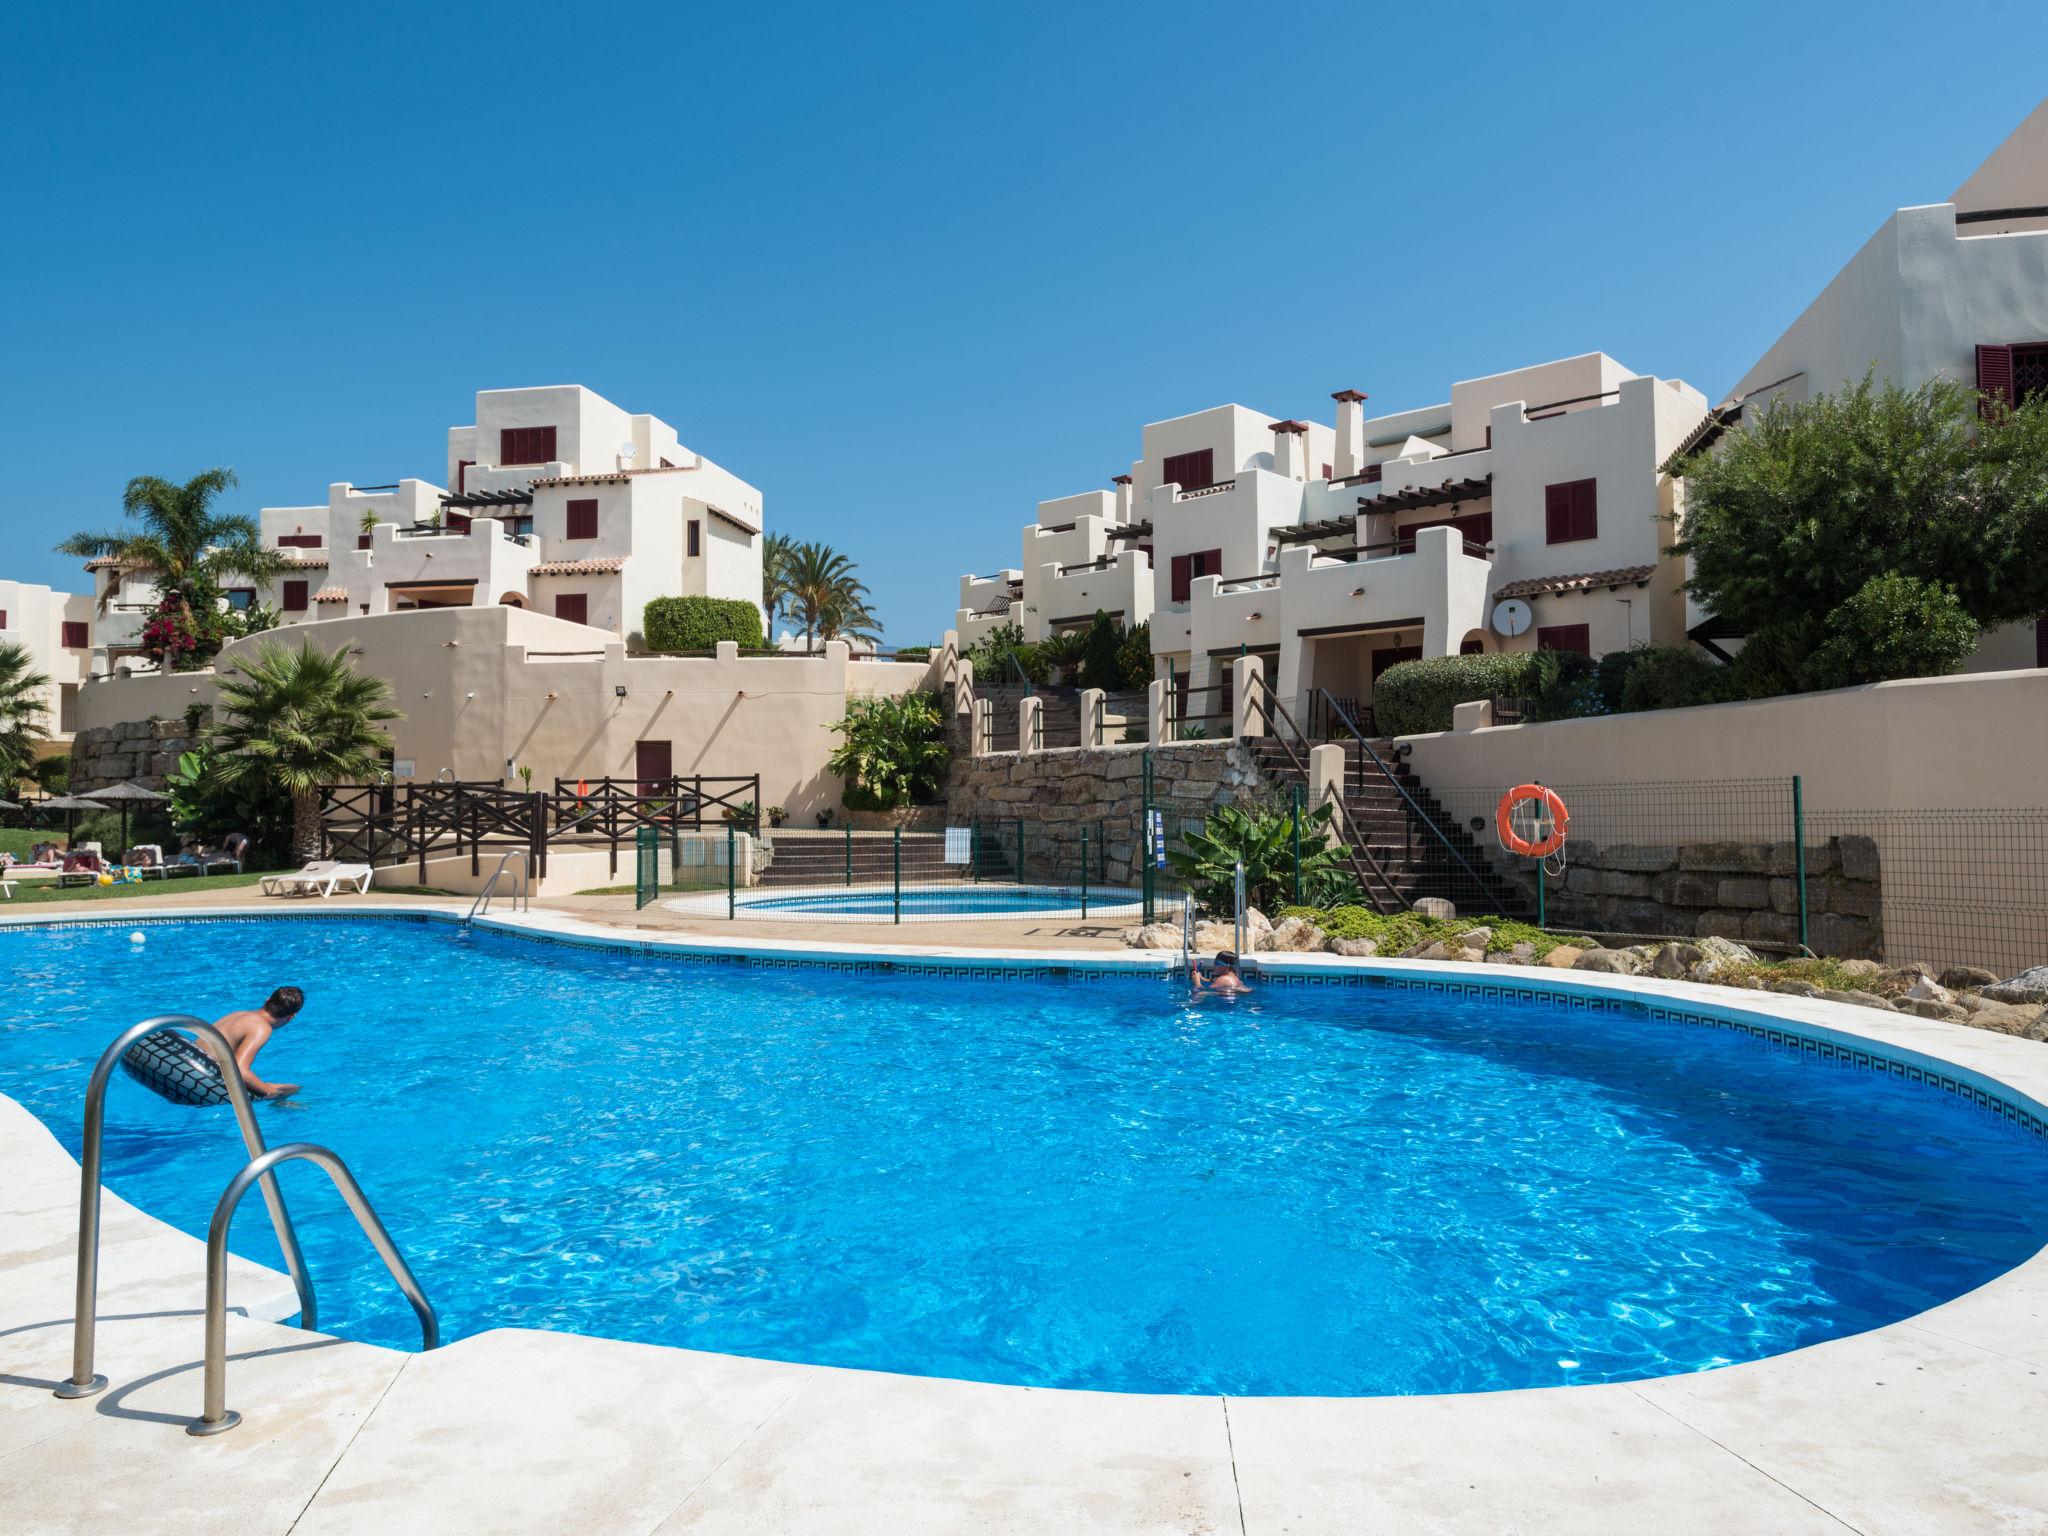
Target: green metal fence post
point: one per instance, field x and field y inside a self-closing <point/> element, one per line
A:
<point x="898" y="878"/>
<point x="732" y="873"/>
<point x="1145" y="852"/>
<point x="1799" y="853"/>
<point x="1084" y="872"/>
<point x="1297" y="845"/>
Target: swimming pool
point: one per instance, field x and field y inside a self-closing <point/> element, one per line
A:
<point x="931" y="902"/>
<point x="1041" y="1179"/>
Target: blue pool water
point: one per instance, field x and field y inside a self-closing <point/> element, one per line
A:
<point x="1329" y="1190"/>
<point x="977" y="900"/>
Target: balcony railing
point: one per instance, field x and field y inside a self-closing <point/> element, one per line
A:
<point x="1100" y="563"/>
<point x="1262" y="582"/>
<point x="1392" y="548"/>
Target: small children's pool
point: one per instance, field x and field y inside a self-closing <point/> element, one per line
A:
<point x="963" y="900"/>
<point x="1015" y="1175"/>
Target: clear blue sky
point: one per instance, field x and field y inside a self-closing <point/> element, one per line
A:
<point x="911" y="269"/>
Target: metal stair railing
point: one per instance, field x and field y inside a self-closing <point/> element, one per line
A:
<point x="1336" y="712"/>
<point x="1275" y="714"/>
<point x="215" y="1416"/>
<point x="84" y="1381"/>
<point x="522" y="901"/>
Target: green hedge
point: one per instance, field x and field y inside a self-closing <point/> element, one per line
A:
<point x="699" y="623"/>
<point x="1416" y="696"/>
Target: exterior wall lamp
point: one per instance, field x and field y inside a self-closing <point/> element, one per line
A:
<point x="618" y="690"/>
<point x="1358" y="591"/>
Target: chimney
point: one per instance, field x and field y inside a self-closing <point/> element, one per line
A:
<point x="1123" y="497"/>
<point x="1290" y="449"/>
<point x="1350" y="433"/>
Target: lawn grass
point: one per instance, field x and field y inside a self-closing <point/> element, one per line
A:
<point x="29" y="892"/>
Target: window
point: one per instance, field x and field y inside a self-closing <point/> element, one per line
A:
<point x="1565" y="637"/>
<point x="363" y="541"/>
<point x="462" y="467"/>
<point x="1473" y="528"/>
<point x="299" y="541"/>
<point x="1203" y="562"/>
<point x="1374" y="473"/>
<point x="573" y="606"/>
<point x="458" y="522"/>
<point x="583" y="519"/>
<point x="294" y="597"/>
<point x="3" y="618"/>
<point x="77" y="633"/>
<point x="526" y="445"/>
<point x="1329" y="472"/>
<point x="1571" y="511"/>
<point x="240" y="599"/>
<point x="1473" y="647"/>
<point x="1190" y="471"/>
<point x="696" y="537"/>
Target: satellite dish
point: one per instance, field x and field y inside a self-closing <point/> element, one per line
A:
<point x="627" y="451"/>
<point x="1512" y="618"/>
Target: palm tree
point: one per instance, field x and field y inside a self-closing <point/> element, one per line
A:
<point x="181" y="540"/>
<point x="826" y="596"/>
<point x="777" y="550"/>
<point x="294" y="720"/>
<point x="24" y="709"/>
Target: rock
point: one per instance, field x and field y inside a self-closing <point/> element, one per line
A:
<point x="1726" y="858"/>
<point x="1771" y="927"/>
<point x="1929" y="1009"/>
<point x="1747" y="892"/>
<point x="1476" y="938"/>
<point x="1438" y="949"/>
<point x="1726" y="952"/>
<point x="1926" y="991"/>
<point x="1834" y="934"/>
<point x="1562" y="958"/>
<point x="1437" y="907"/>
<point x="1609" y="962"/>
<point x="1861" y="968"/>
<point x="1674" y="962"/>
<point x="1210" y="937"/>
<point x="1153" y="936"/>
<point x="1681" y="888"/>
<point x="1967" y="978"/>
<point x="1356" y="949"/>
<point x="1860" y="999"/>
<point x="1791" y="986"/>
<point x="2005" y="1018"/>
<point x="2030" y="986"/>
<point x="1256" y="921"/>
<point x="1859" y="857"/>
<point x="1721" y="925"/>
<point x="1298" y="936"/>
<point x="1638" y="858"/>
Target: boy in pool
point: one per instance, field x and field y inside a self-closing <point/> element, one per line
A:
<point x="248" y="1030"/>
<point x="1223" y="978"/>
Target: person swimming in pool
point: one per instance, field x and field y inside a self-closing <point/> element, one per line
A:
<point x="1223" y="979"/>
<point x="248" y="1030"/>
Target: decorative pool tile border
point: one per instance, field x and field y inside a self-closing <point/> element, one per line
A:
<point x="1834" y="1053"/>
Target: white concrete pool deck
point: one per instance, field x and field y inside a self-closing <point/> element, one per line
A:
<point x="1934" y="1425"/>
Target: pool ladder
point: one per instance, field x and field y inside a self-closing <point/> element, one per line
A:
<point x="215" y="1416"/>
<point x="522" y="900"/>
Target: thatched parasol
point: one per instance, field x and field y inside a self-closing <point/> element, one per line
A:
<point x="70" y="805"/>
<point x="125" y="797"/>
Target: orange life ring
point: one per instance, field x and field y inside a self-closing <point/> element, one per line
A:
<point x="1513" y="841"/>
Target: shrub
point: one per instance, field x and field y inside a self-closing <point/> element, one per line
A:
<point x="1661" y="677"/>
<point x="1416" y="696"/>
<point x="893" y="752"/>
<point x="1894" y="626"/>
<point x="1263" y="842"/>
<point x="699" y="623"/>
<point x="1134" y="659"/>
<point x="1102" y="654"/>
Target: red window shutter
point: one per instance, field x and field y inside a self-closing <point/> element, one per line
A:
<point x="1565" y="637"/>
<point x="573" y="606"/>
<point x="1212" y="562"/>
<point x="1557" y="513"/>
<point x="1571" y="511"/>
<point x="299" y="541"/>
<point x="1329" y="472"/>
<point x="294" y="597"/>
<point x="363" y="541"/>
<point x="583" y="519"/>
<point x="1183" y="576"/>
<point x="526" y="445"/>
<point x="462" y="475"/>
<point x="1190" y="471"/>
<point x="1374" y="473"/>
<point x="3" y="619"/>
<point x="1994" y="378"/>
<point x="458" y="522"/>
<point x="76" y="633"/>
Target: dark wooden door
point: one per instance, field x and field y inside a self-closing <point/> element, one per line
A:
<point x="653" y="766"/>
<point x="1387" y="655"/>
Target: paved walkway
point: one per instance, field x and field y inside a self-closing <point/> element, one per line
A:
<point x="1936" y="1425"/>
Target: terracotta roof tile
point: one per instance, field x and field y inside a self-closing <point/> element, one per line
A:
<point x="591" y="567"/>
<point x="1584" y="581"/>
<point x="331" y="595"/>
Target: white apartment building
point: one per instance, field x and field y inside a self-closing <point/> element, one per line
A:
<point x="555" y="500"/>
<point x="55" y="628"/>
<point x="1956" y="289"/>
<point x="1333" y="551"/>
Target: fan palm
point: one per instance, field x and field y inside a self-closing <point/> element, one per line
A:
<point x="180" y="539"/>
<point x="825" y="595"/>
<point x="24" y="709"/>
<point x="777" y="549"/>
<point x="295" y="720"/>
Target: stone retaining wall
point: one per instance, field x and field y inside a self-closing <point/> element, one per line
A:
<point x="1745" y="891"/>
<point x="142" y="751"/>
<point x="1055" y="794"/>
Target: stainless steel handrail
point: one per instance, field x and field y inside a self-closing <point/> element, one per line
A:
<point x="85" y="1313"/>
<point x="522" y="899"/>
<point x="214" y="1416"/>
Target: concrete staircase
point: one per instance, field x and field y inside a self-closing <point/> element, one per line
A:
<point x="1423" y="850"/>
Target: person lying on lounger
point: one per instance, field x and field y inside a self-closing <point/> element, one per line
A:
<point x="248" y="1030"/>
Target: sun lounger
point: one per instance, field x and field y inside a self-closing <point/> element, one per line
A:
<point x="314" y="875"/>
